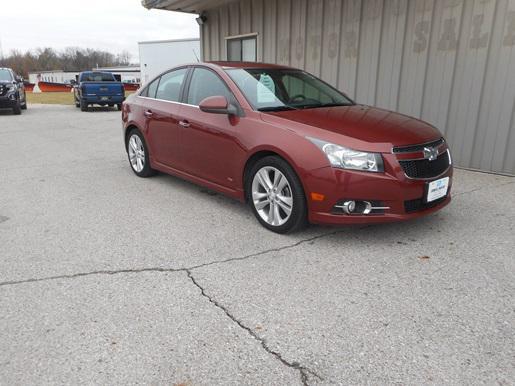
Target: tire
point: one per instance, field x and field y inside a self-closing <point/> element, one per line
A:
<point x="140" y="167"/>
<point x="119" y="106"/>
<point x="83" y="105"/>
<point x="275" y="216"/>
<point x="24" y="105"/>
<point x="17" y="108"/>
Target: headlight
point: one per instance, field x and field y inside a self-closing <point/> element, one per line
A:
<point x="344" y="158"/>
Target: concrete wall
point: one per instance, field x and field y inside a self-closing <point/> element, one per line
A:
<point x="449" y="62"/>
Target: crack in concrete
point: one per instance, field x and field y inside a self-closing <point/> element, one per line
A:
<point x="163" y="269"/>
<point x="277" y="249"/>
<point x="91" y="273"/>
<point x="304" y="371"/>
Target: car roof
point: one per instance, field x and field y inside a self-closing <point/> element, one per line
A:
<point x="228" y="65"/>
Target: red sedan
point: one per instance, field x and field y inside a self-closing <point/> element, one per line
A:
<point x="293" y="147"/>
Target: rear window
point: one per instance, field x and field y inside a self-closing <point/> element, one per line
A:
<point x="97" y="77"/>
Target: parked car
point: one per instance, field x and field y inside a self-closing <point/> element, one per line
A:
<point x="12" y="91"/>
<point x="296" y="149"/>
<point x="99" y="88"/>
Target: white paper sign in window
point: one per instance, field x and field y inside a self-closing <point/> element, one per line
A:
<point x="266" y="89"/>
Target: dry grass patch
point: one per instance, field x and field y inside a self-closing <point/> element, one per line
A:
<point x="54" y="98"/>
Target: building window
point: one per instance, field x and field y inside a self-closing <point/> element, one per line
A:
<point x="242" y="49"/>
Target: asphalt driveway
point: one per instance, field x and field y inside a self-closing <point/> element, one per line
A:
<point x="106" y="278"/>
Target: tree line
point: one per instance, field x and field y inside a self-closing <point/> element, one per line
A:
<point x="69" y="59"/>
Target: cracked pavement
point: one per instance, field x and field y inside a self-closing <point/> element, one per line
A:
<point x="107" y="278"/>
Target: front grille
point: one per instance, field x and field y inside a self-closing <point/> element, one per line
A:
<point x="415" y="148"/>
<point x="423" y="168"/>
<point x="411" y="206"/>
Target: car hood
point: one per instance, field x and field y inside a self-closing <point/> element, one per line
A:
<point x="366" y="127"/>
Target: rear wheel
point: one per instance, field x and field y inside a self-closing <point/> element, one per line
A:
<point x="119" y="106"/>
<point x="276" y="195"/>
<point x="83" y="105"/>
<point x="138" y="154"/>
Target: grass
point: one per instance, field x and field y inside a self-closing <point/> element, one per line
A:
<point x="51" y="98"/>
<point x="54" y="98"/>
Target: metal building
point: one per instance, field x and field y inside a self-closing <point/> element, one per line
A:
<point x="449" y="62"/>
<point x="158" y="56"/>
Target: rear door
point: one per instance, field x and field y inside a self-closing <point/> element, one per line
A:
<point x="210" y="145"/>
<point x="160" y="111"/>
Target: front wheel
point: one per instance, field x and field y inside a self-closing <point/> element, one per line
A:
<point x="17" y="108"/>
<point x="276" y="195"/>
<point x="138" y="154"/>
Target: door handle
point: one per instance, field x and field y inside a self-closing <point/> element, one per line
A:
<point x="184" y="124"/>
<point x="148" y="114"/>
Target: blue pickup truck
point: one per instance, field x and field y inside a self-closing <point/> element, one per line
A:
<point x="98" y="88"/>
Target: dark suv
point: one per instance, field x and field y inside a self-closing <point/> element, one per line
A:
<point x="12" y="91"/>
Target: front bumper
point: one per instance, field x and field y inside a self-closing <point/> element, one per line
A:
<point x="393" y="189"/>
<point x="7" y="101"/>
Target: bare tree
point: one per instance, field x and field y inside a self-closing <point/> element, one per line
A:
<point x="69" y="59"/>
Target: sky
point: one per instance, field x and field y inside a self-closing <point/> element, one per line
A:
<point x="111" y="25"/>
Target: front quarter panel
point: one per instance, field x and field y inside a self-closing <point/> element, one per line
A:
<point x="298" y="151"/>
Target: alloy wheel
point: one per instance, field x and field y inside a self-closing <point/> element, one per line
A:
<point x="136" y="153"/>
<point x="272" y="196"/>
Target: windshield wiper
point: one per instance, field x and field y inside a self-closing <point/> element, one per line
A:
<point x="277" y="108"/>
<point x="336" y="104"/>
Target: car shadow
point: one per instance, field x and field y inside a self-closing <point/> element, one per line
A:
<point x="6" y="112"/>
<point x="389" y="233"/>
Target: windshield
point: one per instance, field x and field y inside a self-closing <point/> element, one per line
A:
<point x="285" y="89"/>
<point x="5" y="75"/>
<point x="97" y="77"/>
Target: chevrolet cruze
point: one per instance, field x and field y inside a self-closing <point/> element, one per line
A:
<point x="293" y="147"/>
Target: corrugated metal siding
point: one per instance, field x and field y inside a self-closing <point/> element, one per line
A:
<point x="449" y="62"/>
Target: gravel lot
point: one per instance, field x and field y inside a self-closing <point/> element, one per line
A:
<point x="106" y="278"/>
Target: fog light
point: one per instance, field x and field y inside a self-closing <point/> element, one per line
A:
<point x="349" y="206"/>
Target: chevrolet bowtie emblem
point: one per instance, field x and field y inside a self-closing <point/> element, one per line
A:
<point x="430" y="153"/>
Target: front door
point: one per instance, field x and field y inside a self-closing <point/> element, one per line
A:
<point x="210" y="145"/>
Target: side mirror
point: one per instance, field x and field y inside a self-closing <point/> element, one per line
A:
<point x="217" y="105"/>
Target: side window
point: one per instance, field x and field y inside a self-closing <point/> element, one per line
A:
<point x="151" y="89"/>
<point x="205" y="83"/>
<point x="170" y="86"/>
